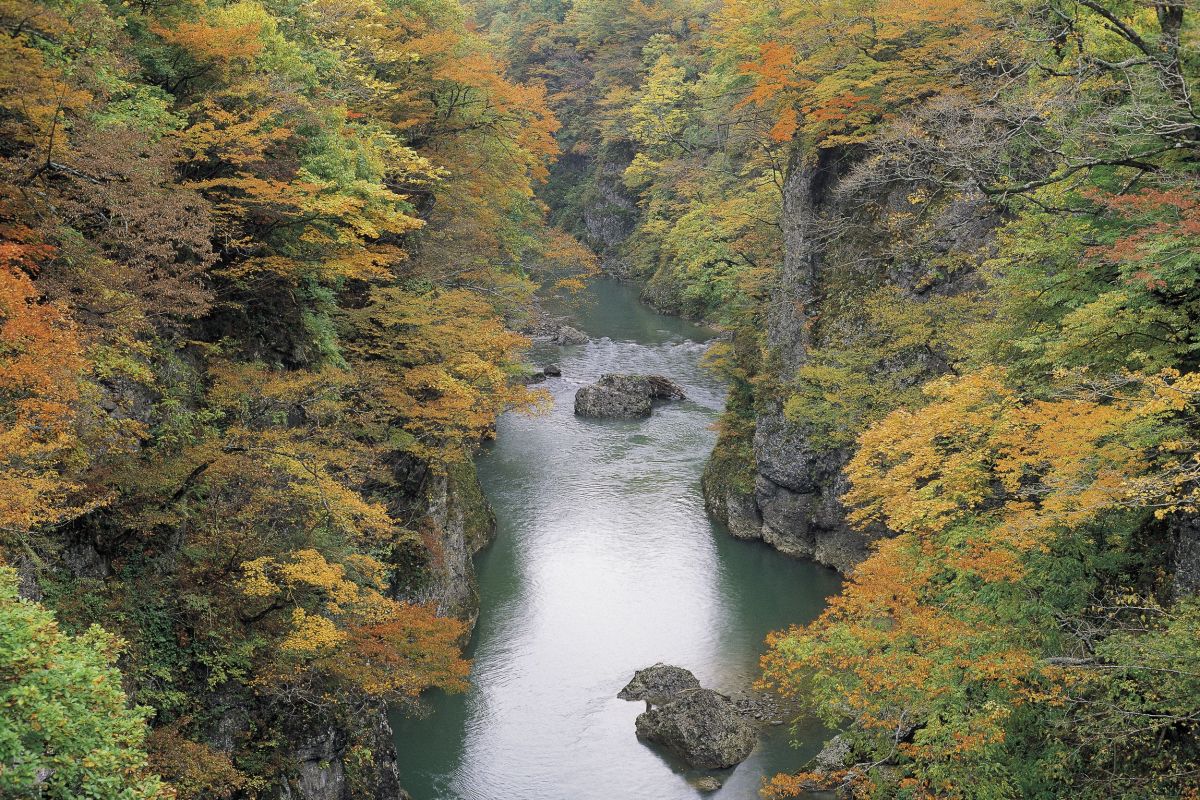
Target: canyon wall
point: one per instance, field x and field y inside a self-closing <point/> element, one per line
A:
<point x="841" y="245"/>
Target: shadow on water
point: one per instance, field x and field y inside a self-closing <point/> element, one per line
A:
<point x="605" y="562"/>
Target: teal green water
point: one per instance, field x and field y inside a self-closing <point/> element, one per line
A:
<point x="605" y="562"/>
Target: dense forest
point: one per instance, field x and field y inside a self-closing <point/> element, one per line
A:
<point x="263" y="271"/>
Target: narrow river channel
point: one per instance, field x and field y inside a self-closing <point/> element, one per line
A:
<point x="605" y="562"/>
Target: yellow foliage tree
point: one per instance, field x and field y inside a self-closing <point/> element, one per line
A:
<point x="339" y="623"/>
<point x="436" y="370"/>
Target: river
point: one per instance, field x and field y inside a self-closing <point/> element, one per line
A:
<point x="605" y="562"/>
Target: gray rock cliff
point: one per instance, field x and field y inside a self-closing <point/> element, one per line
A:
<point x="835" y="245"/>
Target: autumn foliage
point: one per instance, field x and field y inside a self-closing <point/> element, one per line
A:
<point x="40" y="362"/>
<point x="256" y="269"/>
<point x="1021" y="624"/>
<point x="259" y="263"/>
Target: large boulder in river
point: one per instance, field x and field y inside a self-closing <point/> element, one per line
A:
<point x="568" y="335"/>
<point x="659" y="684"/>
<point x="625" y="396"/>
<point x="701" y="726"/>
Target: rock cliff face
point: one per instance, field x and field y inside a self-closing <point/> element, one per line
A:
<point x="609" y="213"/>
<point x="461" y="524"/>
<point x="324" y="770"/>
<point x="1185" y="557"/>
<point x="795" y="506"/>
<point x="450" y="521"/>
<point x="836" y="242"/>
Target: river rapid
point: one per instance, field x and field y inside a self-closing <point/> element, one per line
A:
<point x="604" y="563"/>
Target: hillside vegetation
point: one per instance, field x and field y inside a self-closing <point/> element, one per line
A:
<point x="257" y="261"/>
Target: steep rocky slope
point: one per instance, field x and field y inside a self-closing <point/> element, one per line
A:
<point x="841" y="247"/>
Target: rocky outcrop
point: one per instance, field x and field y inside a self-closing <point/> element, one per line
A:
<point x="566" y="335"/>
<point x="1185" y="559"/>
<point x="795" y="503"/>
<point x="322" y="769"/>
<point x="610" y="213"/>
<point x="320" y="774"/>
<point x="834" y="756"/>
<point x="542" y="326"/>
<point x="705" y="783"/>
<point x="797" y="490"/>
<point x="625" y="396"/>
<point x="797" y="494"/>
<point x="805" y="193"/>
<point x="739" y="511"/>
<point x="451" y="521"/>
<point x="701" y="726"/>
<point x="533" y="376"/>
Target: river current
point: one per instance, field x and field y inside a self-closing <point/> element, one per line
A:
<point x="604" y="563"/>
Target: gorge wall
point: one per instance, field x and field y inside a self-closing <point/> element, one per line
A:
<point x="840" y="246"/>
<point x="453" y="522"/>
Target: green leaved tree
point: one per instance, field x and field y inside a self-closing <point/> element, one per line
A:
<point x="66" y="729"/>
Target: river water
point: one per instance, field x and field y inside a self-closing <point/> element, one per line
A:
<point x="604" y="563"/>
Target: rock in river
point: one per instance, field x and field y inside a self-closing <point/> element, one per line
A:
<point x="568" y="335"/>
<point x="701" y="726"/>
<point x="658" y="684"/>
<point x="625" y="396"/>
<point x="706" y="783"/>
